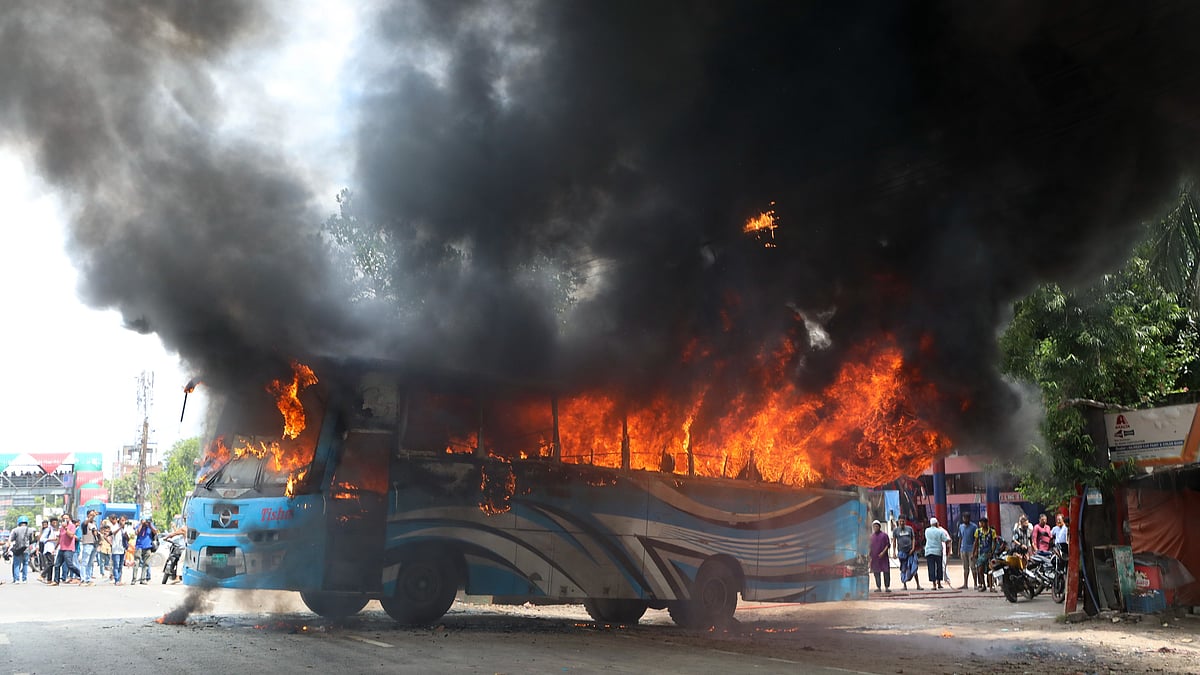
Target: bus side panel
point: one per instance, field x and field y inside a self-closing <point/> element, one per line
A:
<point x="449" y="502"/>
<point x="789" y="545"/>
<point x="262" y="543"/>
<point x="595" y="519"/>
<point x="690" y="521"/>
<point x="557" y="532"/>
<point x="566" y="531"/>
<point x="812" y="548"/>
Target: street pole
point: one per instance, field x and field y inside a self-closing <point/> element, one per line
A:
<point x="145" y="396"/>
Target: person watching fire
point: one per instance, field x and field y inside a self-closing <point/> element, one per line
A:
<point x="146" y="535"/>
<point x="1043" y="539"/>
<point x="983" y="549"/>
<point x="966" y="541"/>
<point x="904" y="547"/>
<point x="881" y="564"/>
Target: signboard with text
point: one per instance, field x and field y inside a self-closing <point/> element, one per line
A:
<point x="1154" y="436"/>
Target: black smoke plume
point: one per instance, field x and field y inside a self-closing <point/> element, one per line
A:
<point x="565" y="183"/>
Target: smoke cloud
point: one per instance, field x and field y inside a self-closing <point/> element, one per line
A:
<point x="565" y="183"/>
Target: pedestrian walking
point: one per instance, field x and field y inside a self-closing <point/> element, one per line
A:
<point x="881" y="564"/>
<point x="936" y="539"/>
<point x="20" y="541"/>
<point x="48" y="542"/>
<point x="904" y="547"/>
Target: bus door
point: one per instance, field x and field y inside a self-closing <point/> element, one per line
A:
<point x="356" y="511"/>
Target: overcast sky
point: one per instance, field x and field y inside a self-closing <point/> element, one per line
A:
<point x="72" y="378"/>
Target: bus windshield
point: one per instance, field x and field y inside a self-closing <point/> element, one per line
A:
<point x="252" y="450"/>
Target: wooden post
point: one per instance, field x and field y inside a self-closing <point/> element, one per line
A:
<point x="1074" y="553"/>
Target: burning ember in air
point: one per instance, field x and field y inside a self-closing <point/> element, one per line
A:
<point x="764" y="221"/>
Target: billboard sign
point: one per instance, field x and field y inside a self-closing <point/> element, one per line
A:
<point x="1153" y="437"/>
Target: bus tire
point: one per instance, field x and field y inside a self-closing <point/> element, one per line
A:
<point x="426" y="586"/>
<point x="615" y="610"/>
<point x="713" y="597"/>
<point x="333" y="605"/>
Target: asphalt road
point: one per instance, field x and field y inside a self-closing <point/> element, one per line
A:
<point x="266" y="632"/>
<point x="42" y="627"/>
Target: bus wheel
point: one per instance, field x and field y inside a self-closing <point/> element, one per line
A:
<point x="333" y="605"/>
<point x="714" y="597"/>
<point x="425" y="589"/>
<point x="612" y="610"/>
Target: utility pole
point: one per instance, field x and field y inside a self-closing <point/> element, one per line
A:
<point x="145" y="399"/>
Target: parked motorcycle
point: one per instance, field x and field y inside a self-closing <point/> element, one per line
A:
<point x="177" y="544"/>
<point x="1048" y="570"/>
<point x="1008" y="569"/>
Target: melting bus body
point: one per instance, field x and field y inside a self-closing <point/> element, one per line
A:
<point x="387" y="503"/>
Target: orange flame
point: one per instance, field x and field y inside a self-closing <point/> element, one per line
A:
<point x="287" y="397"/>
<point x="293" y="457"/>
<point x="860" y="430"/>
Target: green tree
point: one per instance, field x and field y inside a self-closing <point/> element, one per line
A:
<point x="1173" y="249"/>
<point x="1126" y="340"/>
<point x="175" y="482"/>
<point x="14" y="513"/>
<point x="123" y="490"/>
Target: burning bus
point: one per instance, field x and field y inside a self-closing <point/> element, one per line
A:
<point x="367" y="480"/>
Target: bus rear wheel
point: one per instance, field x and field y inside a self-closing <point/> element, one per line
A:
<point x="713" y="597"/>
<point x="613" y="610"/>
<point x="333" y="605"/>
<point x="425" y="589"/>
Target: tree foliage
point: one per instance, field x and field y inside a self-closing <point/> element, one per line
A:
<point x="175" y="482"/>
<point x="1174" y="249"/>
<point x="15" y="512"/>
<point x="123" y="490"/>
<point x="1125" y="340"/>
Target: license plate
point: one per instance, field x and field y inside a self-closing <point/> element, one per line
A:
<point x="998" y="574"/>
<point x="220" y="559"/>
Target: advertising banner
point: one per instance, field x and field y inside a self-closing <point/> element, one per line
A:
<point x="1153" y="437"/>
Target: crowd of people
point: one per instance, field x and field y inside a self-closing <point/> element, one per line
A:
<point x="977" y="543"/>
<point x="69" y="551"/>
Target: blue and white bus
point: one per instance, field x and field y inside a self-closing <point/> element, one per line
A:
<point x="373" y="499"/>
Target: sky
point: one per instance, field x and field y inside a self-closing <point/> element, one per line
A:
<point x="73" y="372"/>
<point x="72" y="380"/>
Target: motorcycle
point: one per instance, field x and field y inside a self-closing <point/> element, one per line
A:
<point x="1008" y="569"/>
<point x="1048" y="569"/>
<point x="177" y="545"/>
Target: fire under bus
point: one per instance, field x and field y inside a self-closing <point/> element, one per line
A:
<point x="385" y="491"/>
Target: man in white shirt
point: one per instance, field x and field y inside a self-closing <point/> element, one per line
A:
<point x="48" y="542"/>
